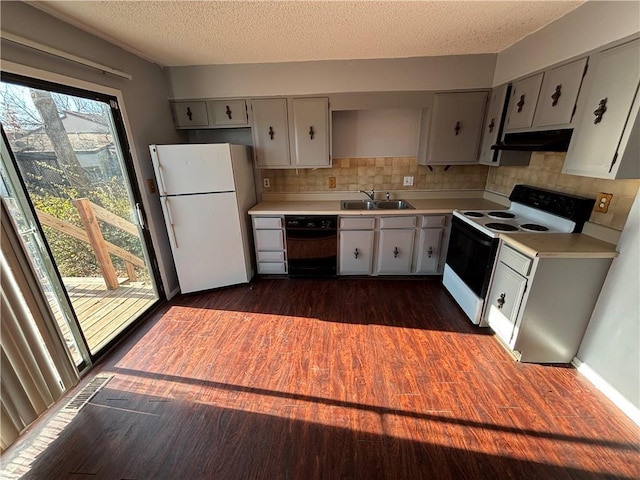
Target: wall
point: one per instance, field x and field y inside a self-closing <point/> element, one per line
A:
<point x="304" y="78"/>
<point x="144" y="97"/>
<point x="588" y="27"/>
<point x="383" y="174"/>
<point x="545" y="171"/>
<point x="611" y="346"/>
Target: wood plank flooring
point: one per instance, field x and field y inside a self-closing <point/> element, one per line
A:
<point x="334" y="379"/>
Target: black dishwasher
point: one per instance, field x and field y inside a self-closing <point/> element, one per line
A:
<point x="312" y="245"/>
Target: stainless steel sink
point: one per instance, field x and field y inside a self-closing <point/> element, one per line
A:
<point x="375" y="205"/>
<point x="357" y="205"/>
<point x="393" y="205"/>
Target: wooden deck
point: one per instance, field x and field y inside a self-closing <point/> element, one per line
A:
<point x="104" y="313"/>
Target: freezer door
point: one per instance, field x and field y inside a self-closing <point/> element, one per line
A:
<point x="206" y="240"/>
<point x="186" y="169"/>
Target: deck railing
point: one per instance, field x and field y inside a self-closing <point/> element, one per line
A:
<point x="90" y="213"/>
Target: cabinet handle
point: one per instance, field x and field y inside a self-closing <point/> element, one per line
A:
<point x="599" y="112"/>
<point x="492" y="124"/>
<point x="189" y="114"/>
<point x="396" y="252"/>
<point x="457" y="128"/>
<point x="271" y="132"/>
<point x="430" y="252"/>
<point x="228" y="112"/>
<point x="500" y="301"/>
<point x="356" y="253"/>
<point x="520" y="104"/>
<point x="311" y="132"/>
<point x="556" y="95"/>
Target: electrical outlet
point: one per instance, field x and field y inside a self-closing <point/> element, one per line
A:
<point x="266" y="182"/>
<point x="602" y="202"/>
<point x="151" y="185"/>
<point x="332" y="182"/>
<point x="408" y="181"/>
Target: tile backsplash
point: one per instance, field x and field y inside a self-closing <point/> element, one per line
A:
<point x="544" y="171"/>
<point x="384" y="173"/>
<point x="387" y="173"/>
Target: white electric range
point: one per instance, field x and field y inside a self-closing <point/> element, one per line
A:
<point x="475" y="237"/>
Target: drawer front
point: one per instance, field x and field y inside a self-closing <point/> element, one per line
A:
<point x="229" y="113"/>
<point x="267" y="222"/>
<point x="270" y="256"/>
<point x="269" y="240"/>
<point x="272" y="268"/>
<point x="433" y="221"/>
<point x="357" y="223"/>
<point x="397" y="222"/>
<point x="516" y="260"/>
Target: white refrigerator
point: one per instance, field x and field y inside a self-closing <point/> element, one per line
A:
<point x="206" y="191"/>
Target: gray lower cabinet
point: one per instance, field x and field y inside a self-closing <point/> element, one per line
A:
<point x="606" y="140"/>
<point x="430" y="242"/>
<point x="356" y="247"/>
<point x="540" y="306"/>
<point x="395" y="245"/>
<point x="268" y="237"/>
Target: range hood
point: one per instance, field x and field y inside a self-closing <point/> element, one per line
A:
<point x="545" y="141"/>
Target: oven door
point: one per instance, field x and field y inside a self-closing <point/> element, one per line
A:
<point x="471" y="255"/>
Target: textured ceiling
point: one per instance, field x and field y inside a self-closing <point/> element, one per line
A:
<point x="174" y="33"/>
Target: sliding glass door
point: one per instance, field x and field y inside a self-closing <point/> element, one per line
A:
<point x="66" y="181"/>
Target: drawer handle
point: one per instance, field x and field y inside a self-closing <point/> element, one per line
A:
<point x="189" y="114"/>
<point x="430" y="252"/>
<point x="556" y="95"/>
<point x="311" y="132"/>
<point x="457" y="128"/>
<point x="500" y="301"/>
<point x="356" y="253"/>
<point x="599" y="112"/>
<point x="491" y="125"/>
<point x="228" y="112"/>
<point x="271" y="132"/>
<point x="520" y="104"/>
<point x="396" y="252"/>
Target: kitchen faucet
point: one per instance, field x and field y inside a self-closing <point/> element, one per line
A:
<point x="387" y="195"/>
<point x="370" y="195"/>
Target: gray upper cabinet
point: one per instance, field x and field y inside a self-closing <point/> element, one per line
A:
<point x="606" y="139"/>
<point x="455" y="129"/>
<point x="291" y="133"/>
<point x="229" y="113"/>
<point x="522" y="102"/>
<point x="190" y="114"/>
<point x="493" y="126"/>
<point x="310" y="132"/>
<point x="271" y="132"/>
<point x="559" y="94"/>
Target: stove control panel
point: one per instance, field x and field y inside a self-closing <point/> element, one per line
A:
<point x="564" y="205"/>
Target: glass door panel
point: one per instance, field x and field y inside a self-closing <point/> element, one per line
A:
<point x="67" y="157"/>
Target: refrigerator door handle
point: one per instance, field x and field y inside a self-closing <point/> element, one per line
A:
<point x="161" y="179"/>
<point x="169" y="217"/>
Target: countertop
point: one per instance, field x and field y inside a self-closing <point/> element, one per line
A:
<point x="332" y="207"/>
<point x="560" y="245"/>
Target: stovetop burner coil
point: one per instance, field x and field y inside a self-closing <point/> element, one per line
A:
<point x="474" y="214"/>
<point x="501" y="215"/>
<point x="534" y="227"/>
<point x="503" y="227"/>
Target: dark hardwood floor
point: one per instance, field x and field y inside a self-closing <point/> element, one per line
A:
<point x="334" y="379"/>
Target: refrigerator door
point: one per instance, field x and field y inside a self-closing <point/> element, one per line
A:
<point x="206" y="240"/>
<point x="187" y="169"/>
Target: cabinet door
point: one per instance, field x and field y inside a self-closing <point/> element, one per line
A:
<point x="522" y="103"/>
<point x="608" y="101"/>
<point x="503" y="301"/>
<point x="229" y="113"/>
<point x="190" y="114"/>
<point x="395" y="251"/>
<point x="492" y="126"/>
<point x="429" y="250"/>
<point x="559" y="93"/>
<point x="356" y="252"/>
<point x="454" y="137"/>
<point x="311" y="132"/>
<point x="270" y="132"/>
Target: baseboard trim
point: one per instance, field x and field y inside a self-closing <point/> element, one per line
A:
<point x="629" y="409"/>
